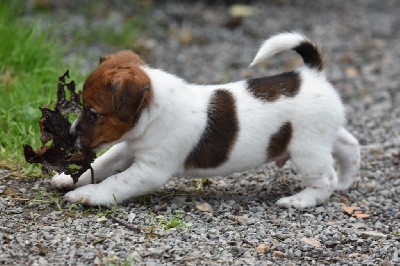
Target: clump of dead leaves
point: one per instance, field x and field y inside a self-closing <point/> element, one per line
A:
<point x="59" y="151"/>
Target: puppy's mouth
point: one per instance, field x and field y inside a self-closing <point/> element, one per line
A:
<point x="100" y="147"/>
<point x="96" y="149"/>
<point x="80" y="144"/>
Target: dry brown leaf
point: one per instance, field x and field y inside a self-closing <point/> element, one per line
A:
<point x="355" y="211"/>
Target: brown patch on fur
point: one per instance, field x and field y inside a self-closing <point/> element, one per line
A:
<point x="271" y="88"/>
<point x="279" y="142"/>
<point x="220" y="133"/>
<point x="280" y="161"/>
<point x="114" y="96"/>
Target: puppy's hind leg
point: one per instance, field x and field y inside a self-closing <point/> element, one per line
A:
<point x="346" y="151"/>
<point x="319" y="177"/>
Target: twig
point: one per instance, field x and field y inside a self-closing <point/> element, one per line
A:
<point x="34" y="200"/>
<point x="91" y="173"/>
<point x="130" y="227"/>
<point x="99" y="241"/>
<point x="7" y="175"/>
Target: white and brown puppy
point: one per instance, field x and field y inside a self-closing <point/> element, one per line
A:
<point x="162" y="126"/>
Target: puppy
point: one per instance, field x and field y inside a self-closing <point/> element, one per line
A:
<point x="161" y="126"/>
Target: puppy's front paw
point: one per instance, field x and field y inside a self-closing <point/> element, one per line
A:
<point x="80" y="195"/>
<point x="90" y="195"/>
<point x="296" y="201"/>
<point x="62" y="182"/>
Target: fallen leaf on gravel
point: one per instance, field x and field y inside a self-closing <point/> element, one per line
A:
<point x="262" y="248"/>
<point x="204" y="207"/>
<point x="311" y="241"/>
<point x="355" y="211"/>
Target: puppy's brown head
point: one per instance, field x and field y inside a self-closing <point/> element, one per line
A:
<point x="114" y="96"/>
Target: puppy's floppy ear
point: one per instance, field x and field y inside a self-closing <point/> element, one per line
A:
<point x="128" y="99"/>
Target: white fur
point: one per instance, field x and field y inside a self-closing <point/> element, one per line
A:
<point x="278" y="43"/>
<point x="156" y="148"/>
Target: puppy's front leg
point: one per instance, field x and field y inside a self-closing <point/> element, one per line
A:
<point x="116" y="159"/>
<point x="137" y="180"/>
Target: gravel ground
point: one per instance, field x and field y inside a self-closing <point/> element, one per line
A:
<point x="233" y="219"/>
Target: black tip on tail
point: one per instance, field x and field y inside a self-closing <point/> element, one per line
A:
<point x="311" y="55"/>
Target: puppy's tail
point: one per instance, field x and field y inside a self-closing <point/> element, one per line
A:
<point x="308" y="50"/>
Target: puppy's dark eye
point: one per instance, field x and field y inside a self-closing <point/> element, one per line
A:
<point x="93" y="116"/>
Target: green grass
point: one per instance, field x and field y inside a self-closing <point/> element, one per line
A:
<point x="30" y="63"/>
<point x="114" y="261"/>
<point x="51" y="199"/>
<point x="176" y="221"/>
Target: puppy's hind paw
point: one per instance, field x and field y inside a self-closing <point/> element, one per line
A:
<point x="308" y="197"/>
<point x="62" y="182"/>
